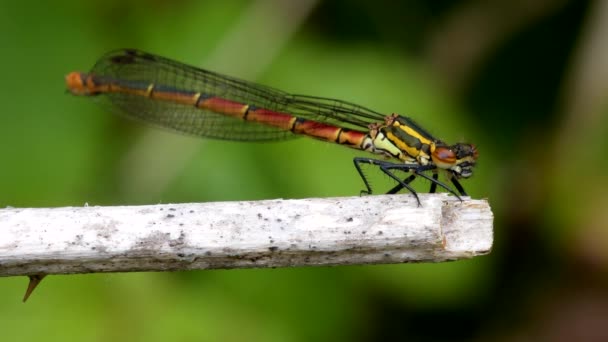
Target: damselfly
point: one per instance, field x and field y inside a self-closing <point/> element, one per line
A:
<point x="190" y="100"/>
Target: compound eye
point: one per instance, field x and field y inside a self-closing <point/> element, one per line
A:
<point x="464" y="151"/>
<point x="444" y="155"/>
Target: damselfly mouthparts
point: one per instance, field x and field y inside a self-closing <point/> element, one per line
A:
<point x="190" y="100"/>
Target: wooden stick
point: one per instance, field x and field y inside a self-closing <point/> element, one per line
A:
<point x="272" y="233"/>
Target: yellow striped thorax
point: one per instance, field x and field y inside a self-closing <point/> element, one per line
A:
<point x="400" y="137"/>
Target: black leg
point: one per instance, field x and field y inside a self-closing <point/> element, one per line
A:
<point x="398" y="187"/>
<point x="418" y="170"/>
<point x="386" y="166"/>
<point x="386" y="169"/>
<point x="357" y="161"/>
<point x="437" y="182"/>
<point x="433" y="184"/>
<point x="458" y="186"/>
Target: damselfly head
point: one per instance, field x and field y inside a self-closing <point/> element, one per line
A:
<point x="459" y="158"/>
<point x="466" y="157"/>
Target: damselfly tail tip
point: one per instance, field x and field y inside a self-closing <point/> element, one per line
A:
<point x="75" y="82"/>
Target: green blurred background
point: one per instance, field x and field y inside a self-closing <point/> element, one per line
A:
<point x="526" y="81"/>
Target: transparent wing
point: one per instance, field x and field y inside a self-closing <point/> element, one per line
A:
<point x="137" y="67"/>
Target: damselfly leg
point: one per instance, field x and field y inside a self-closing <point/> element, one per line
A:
<point x="387" y="168"/>
<point x="433" y="188"/>
<point x="458" y="186"/>
<point x="399" y="187"/>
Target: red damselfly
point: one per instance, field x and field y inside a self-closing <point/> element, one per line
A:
<point x="194" y="101"/>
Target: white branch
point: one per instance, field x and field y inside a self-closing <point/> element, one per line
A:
<point x="272" y="233"/>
